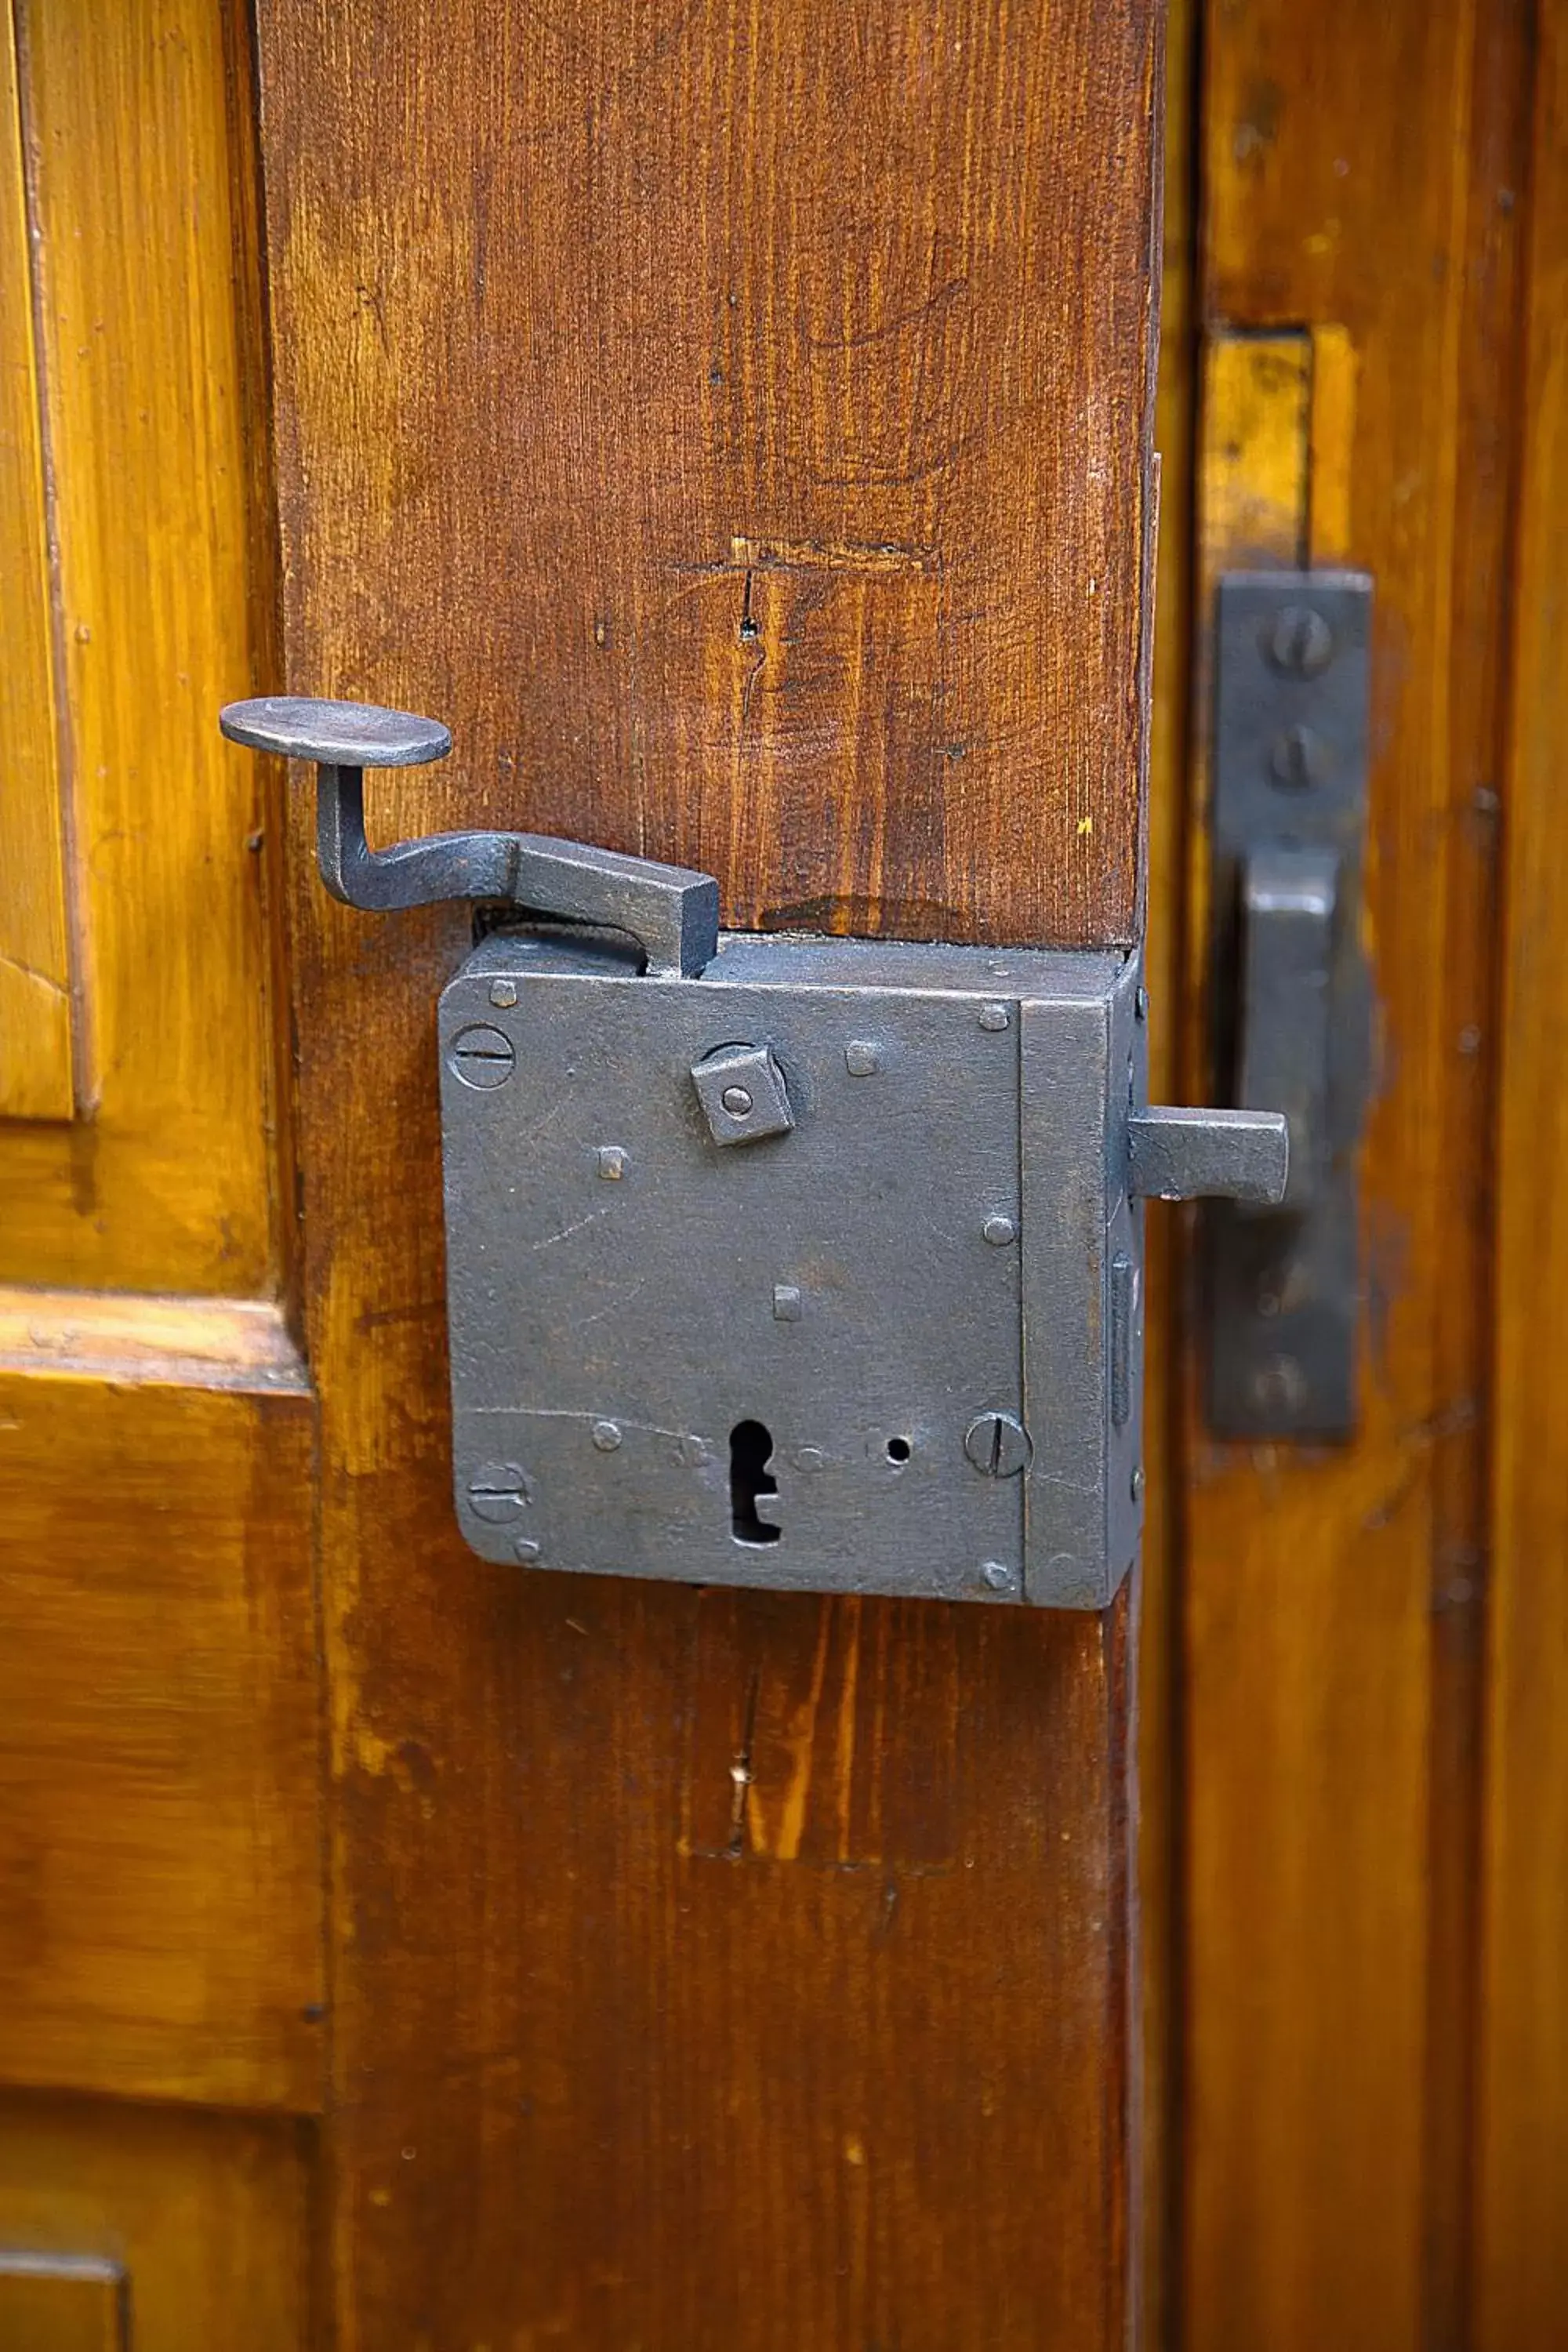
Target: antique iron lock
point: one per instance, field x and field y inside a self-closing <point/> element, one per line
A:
<point x="805" y="1263"/>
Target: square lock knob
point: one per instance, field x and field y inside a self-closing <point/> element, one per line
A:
<point x="742" y="1092"/>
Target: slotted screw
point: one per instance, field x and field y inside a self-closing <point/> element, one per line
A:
<point x="1301" y="643"/>
<point x="997" y="1445"/>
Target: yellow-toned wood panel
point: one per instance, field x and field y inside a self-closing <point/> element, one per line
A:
<point x="141" y="203"/>
<point x="160" y="1829"/>
<point x="1352" y="164"/>
<point x="63" y="2303"/>
<point x="1522" y="2167"/>
<point x="35" y="938"/>
<point x="163" y="2229"/>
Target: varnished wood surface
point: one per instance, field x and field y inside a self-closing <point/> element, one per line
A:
<point x="1362" y="172"/>
<point x="149" y="2229"/>
<point x="1523" y="2134"/>
<point x="137" y="120"/>
<point x="160" y="1822"/>
<point x="35" y="928"/>
<point x="735" y="422"/>
<point x="737" y="426"/>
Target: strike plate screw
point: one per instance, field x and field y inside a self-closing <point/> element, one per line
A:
<point x="1301" y="643"/>
<point x="496" y="1491"/>
<point x="998" y="1444"/>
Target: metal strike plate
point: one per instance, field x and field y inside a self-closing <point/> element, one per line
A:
<point x="1291" y="992"/>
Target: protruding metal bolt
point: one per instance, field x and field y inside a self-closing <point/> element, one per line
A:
<point x="498" y="1491"/>
<point x="737" y="1101"/>
<point x="862" y="1059"/>
<point x="994" y="1017"/>
<point x="788" y="1302"/>
<point x="998" y="1444"/>
<point x="1301" y="643"/>
<point x="999" y="1231"/>
<point x="1137" y="1484"/>
<point x="999" y="1576"/>
<point x="1296" y="762"/>
<point x="526" y="1550"/>
<point x="481" y="1055"/>
<point x="503" y="993"/>
<point x="605" y="1435"/>
<point x="1140" y="1004"/>
<point x="612" y="1163"/>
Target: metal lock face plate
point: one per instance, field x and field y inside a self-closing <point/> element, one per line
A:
<point x="886" y="1338"/>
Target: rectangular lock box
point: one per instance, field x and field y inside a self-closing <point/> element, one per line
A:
<point x="818" y="1271"/>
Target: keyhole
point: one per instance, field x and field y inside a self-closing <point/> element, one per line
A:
<point x="750" y="1451"/>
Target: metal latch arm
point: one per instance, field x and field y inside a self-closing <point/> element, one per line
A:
<point x="671" y="911"/>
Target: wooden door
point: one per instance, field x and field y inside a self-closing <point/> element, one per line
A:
<point x="737" y="424"/>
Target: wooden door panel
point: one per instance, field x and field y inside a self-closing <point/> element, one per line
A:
<point x="737" y="426"/>
<point x="1522" y="2104"/>
<point x="146" y="2230"/>
<point x="141" y="843"/>
<point x="1357" y="247"/>
<point x="160" y="1820"/>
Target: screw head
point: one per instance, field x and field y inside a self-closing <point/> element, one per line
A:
<point x="998" y="1576"/>
<point x="498" y="1491"/>
<point x="1140" y="1004"/>
<point x="503" y="993"/>
<point x="1138" y="1486"/>
<point x="526" y="1550"/>
<point x="481" y="1056"/>
<point x="997" y="1445"/>
<point x="1300" y="642"/>
<point x="862" y="1059"/>
<point x="737" y="1101"/>
<point x="994" y="1017"/>
<point x="999" y="1231"/>
<point x="605" y="1435"/>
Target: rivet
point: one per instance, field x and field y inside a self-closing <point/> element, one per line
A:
<point x="999" y="1231"/>
<point x="1140" y="1004"/>
<point x="503" y="993"/>
<point x="786" y="1302"/>
<point x="998" y="1575"/>
<point x="612" y="1163"/>
<point x="526" y="1549"/>
<point x="1138" y="1486"/>
<point x="693" y="1453"/>
<point x="605" y="1435"/>
<point x="809" y="1457"/>
<point x="994" y="1017"/>
<point x="861" y="1059"/>
<point x="736" y="1101"/>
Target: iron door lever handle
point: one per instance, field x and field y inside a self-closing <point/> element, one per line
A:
<point x="671" y="911"/>
<point x="1289" y="904"/>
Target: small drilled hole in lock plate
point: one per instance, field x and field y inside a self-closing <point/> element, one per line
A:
<point x="899" y="1449"/>
<point x="750" y="1451"/>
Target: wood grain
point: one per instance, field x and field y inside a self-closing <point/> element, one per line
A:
<point x="1356" y="169"/>
<point x="137" y="173"/>
<point x="778" y="391"/>
<point x="159" y="1822"/>
<point x="1522" y="2141"/>
<point x="737" y="424"/>
<point x="174" y="2229"/>
<point x="35" y="929"/>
